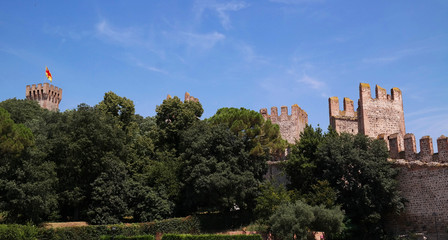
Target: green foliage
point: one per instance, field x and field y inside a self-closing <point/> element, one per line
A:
<point x="18" y="232"/>
<point x="210" y="237"/>
<point x="26" y="180"/>
<point x="173" y="117"/>
<point x="270" y="198"/>
<point x="301" y="165"/>
<point x="14" y="138"/>
<point x="291" y="220"/>
<point x="347" y="170"/>
<point x="120" y="237"/>
<point x="357" y="168"/>
<point x="119" y="107"/>
<point x="22" y="111"/>
<point x="321" y="193"/>
<point x="260" y="137"/>
<point x="217" y="172"/>
<point x="299" y="219"/>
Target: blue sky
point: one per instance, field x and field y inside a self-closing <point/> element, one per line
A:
<point x="251" y="54"/>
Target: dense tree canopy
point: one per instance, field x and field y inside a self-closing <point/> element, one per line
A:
<point x="105" y="164"/>
<point x="347" y="170"/>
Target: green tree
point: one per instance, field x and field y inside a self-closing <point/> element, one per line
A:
<point x="270" y="198"/>
<point x="22" y="110"/>
<point x="357" y="168"/>
<point x="301" y="164"/>
<point x="89" y="136"/>
<point x="299" y="219"/>
<point x="261" y="138"/>
<point x="27" y="182"/>
<point x="173" y="117"/>
<point x="119" y="107"/>
<point x="14" y="138"/>
<point x="216" y="170"/>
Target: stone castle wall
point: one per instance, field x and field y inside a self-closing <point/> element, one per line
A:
<point x="47" y="95"/>
<point x="425" y="186"/>
<point x="381" y="115"/>
<point x="374" y="116"/>
<point x="290" y="125"/>
<point x="346" y="120"/>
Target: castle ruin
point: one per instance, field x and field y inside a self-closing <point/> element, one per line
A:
<point x="423" y="175"/>
<point x="47" y="95"/>
<point x="290" y="125"/>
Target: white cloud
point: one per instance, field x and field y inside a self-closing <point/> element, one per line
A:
<point x="127" y="36"/>
<point x="221" y="9"/>
<point x="397" y="55"/>
<point x="138" y="63"/>
<point x="201" y="41"/>
<point x="312" y="82"/>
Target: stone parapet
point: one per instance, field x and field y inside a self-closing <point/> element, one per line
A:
<point x="290" y="125"/>
<point x="47" y="95"/>
<point x="426" y="154"/>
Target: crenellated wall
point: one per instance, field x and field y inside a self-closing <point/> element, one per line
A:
<point x="47" y="95"/>
<point x="190" y="98"/>
<point x="409" y="151"/>
<point x="290" y="125"/>
<point x="187" y="98"/>
<point x="381" y="115"/>
<point x="346" y="120"/>
<point x="374" y="116"/>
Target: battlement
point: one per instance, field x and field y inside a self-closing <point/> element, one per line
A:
<point x="380" y="93"/>
<point x="296" y="111"/>
<point x="426" y="154"/>
<point x="186" y="99"/>
<point x="290" y="125"/>
<point x="47" y="95"/>
<point x="190" y="98"/>
<point x="381" y="115"/>
<point x="346" y="120"/>
<point x="349" y="109"/>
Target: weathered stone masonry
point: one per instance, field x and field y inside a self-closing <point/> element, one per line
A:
<point x="290" y="125"/>
<point x="47" y="95"/>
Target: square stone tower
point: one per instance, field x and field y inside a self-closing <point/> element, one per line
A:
<point x="47" y="95"/>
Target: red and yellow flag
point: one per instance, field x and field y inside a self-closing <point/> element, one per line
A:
<point x="47" y="72"/>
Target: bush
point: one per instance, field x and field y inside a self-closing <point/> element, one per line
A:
<point x="28" y="232"/>
<point x="18" y="232"/>
<point x="210" y="237"/>
<point x="120" y="237"/>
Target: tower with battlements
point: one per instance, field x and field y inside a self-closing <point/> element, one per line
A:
<point x="47" y="95"/>
<point x="290" y="125"/>
<point x="382" y="115"/>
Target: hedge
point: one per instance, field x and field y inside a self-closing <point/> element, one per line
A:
<point x="18" y="232"/>
<point x="120" y="237"/>
<point x="210" y="237"/>
<point x="28" y="232"/>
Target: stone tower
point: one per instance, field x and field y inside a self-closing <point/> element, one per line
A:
<point x="382" y="115"/>
<point x="47" y="95"/>
<point x="290" y="125"/>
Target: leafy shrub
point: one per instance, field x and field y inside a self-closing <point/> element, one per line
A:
<point x="18" y="232"/>
<point x="210" y="237"/>
<point x="28" y="232"/>
<point x="120" y="237"/>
